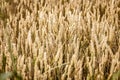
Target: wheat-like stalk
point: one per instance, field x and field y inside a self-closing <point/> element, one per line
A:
<point x="60" y="39"/>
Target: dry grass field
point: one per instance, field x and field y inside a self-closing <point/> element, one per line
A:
<point x="59" y="39"/>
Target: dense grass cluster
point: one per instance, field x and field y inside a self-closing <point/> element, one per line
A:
<point x="60" y="39"/>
